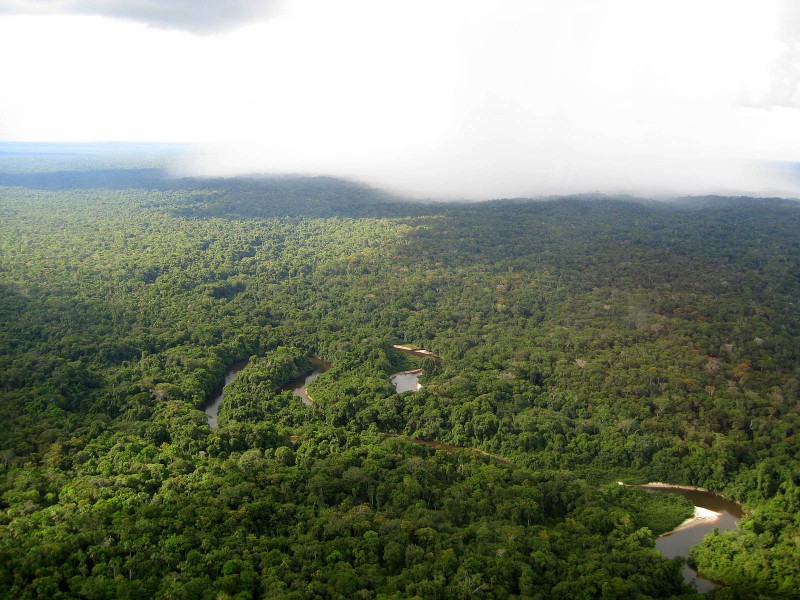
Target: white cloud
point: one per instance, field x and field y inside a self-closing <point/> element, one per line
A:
<point x="452" y="98"/>
<point x="197" y="16"/>
<point x="779" y="85"/>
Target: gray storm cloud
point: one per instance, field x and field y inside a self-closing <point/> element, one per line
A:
<point x="195" y="16"/>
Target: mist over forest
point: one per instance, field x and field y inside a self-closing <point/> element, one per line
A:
<point x="561" y="346"/>
<point x="372" y="300"/>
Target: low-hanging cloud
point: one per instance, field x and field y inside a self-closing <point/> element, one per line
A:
<point x="195" y="16"/>
<point x="533" y="99"/>
<point x="452" y="98"/>
<point x="495" y="171"/>
<point x="781" y="87"/>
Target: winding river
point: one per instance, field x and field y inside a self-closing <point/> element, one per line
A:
<point x="212" y="407"/>
<point x="298" y="386"/>
<point x="408" y="381"/>
<point x="711" y="512"/>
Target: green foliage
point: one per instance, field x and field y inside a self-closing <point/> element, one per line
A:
<point x="763" y="556"/>
<point x="581" y="340"/>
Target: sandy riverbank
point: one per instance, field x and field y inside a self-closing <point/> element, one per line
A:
<point x="661" y="484"/>
<point x="415" y="350"/>
<point x="411" y="372"/>
<point x="701" y="515"/>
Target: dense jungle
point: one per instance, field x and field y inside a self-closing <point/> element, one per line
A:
<point x="579" y="342"/>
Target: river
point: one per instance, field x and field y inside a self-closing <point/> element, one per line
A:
<point x="711" y="512"/>
<point x="212" y="407"/>
<point x="406" y="381"/>
<point x="298" y="386"/>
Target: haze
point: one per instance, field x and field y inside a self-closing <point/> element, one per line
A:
<point x="451" y="99"/>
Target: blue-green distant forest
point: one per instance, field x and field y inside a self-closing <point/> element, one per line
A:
<point x="585" y="340"/>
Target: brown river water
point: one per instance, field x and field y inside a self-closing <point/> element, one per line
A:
<point x="711" y="511"/>
<point x="297" y="387"/>
<point x="715" y="512"/>
<point x="212" y="407"/>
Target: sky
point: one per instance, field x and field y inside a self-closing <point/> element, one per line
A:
<point x="435" y="98"/>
